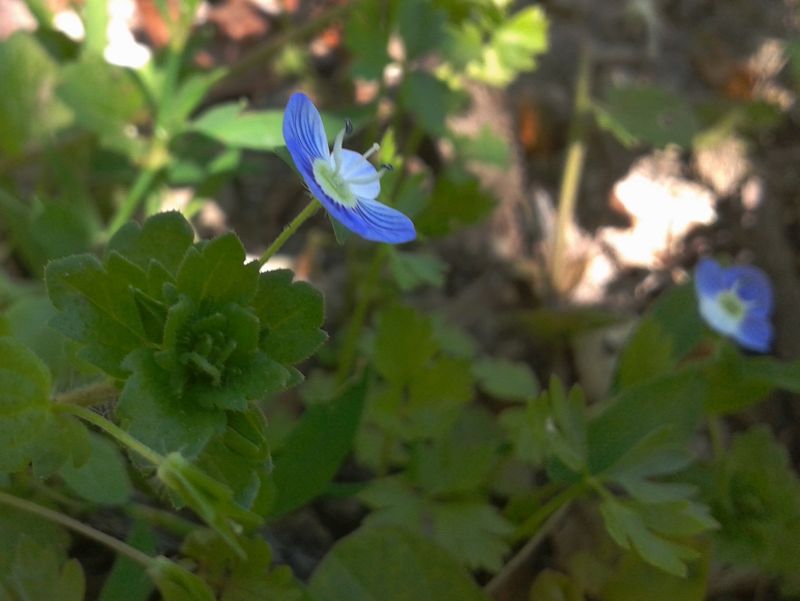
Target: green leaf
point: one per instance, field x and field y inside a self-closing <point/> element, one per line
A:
<point x="629" y="531"/>
<point x="634" y="580"/>
<point x="28" y="110"/>
<point x="647" y="114"/>
<point x="412" y="270"/>
<point x="24" y="404"/>
<point x="367" y="39"/>
<point x="216" y="272"/>
<point x="237" y="579"/>
<point x="456" y="201"/>
<point x="554" y="586"/>
<point x="506" y="380"/>
<point x="16" y="525"/>
<point x="103" y="478"/>
<point x="485" y="147"/>
<point x="429" y="100"/>
<point x="331" y="427"/>
<point x="96" y="307"/>
<point x="419" y="40"/>
<point x="387" y="564"/>
<point x="513" y="48"/>
<point x="39" y="573"/>
<point x="175" y="583"/>
<point x="175" y="108"/>
<point x="163" y="238"/>
<point x="403" y="345"/>
<point x="674" y="400"/>
<point x="152" y="414"/>
<point x="128" y="580"/>
<point x="647" y="354"/>
<point x="292" y="314"/>
<point x="108" y="115"/>
<point x="754" y="493"/>
<point x="252" y="130"/>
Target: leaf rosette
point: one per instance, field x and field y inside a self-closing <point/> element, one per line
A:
<point x="192" y="331"/>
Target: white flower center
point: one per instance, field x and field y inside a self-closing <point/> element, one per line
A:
<point x="724" y="312"/>
<point x="334" y="181"/>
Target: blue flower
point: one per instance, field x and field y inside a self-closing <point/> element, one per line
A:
<point x="345" y="182"/>
<point x="736" y="302"/>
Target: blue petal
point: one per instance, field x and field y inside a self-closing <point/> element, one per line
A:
<point x="375" y="221"/>
<point x="753" y="286"/>
<point x="304" y="134"/>
<point x="355" y="166"/>
<point x="755" y="333"/>
<point x="709" y="278"/>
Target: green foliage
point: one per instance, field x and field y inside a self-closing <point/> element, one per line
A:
<point x="236" y="579"/>
<point x="413" y="270"/>
<point x="128" y="580"/>
<point x="103" y="479"/>
<point x="755" y="495"/>
<point x="456" y="201"/>
<point x="647" y="114"/>
<point x="39" y="573"/>
<point x="390" y="565"/>
<point x="331" y="426"/>
<point x="251" y="130"/>
<point x="31" y="430"/>
<point x="192" y="330"/>
<point x="506" y="380"/>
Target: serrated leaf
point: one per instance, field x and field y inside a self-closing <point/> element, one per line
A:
<point x="412" y="270"/>
<point x="387" y="564"/>
<point x="24" y="405"/>
<point x="103" y="478"/>
<point x="164" y="238"/>
<point x="647" y="354"/>
<point x="629" y="531"/>
<point x="331" y="427"/>
<point x="96" y="307"/>
<point x="428" y="99"/>
<point x="39" y="573"/>
<point x="292" y="314"/>
<point x="403" y="345"/>
<point x="216" y="272"/>
<point x="506" y="380"/>
<point x="150" y="412"/>
<point x="232" y="126"/>
<point x="237" y="579"/>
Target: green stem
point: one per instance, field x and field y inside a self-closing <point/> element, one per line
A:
<point x="87" y="396"/>
<point x="138" y="192"/>
<point x="289" y="230"/>
<point x="566" y="496"/>
<point x="114" y="430"/>
<point x="112" y="543"/>
<point x="162" y="518"/>
<point x="359" y="315"/>
<point x="571" y="177"/>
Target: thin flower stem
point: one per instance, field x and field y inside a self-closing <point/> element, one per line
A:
<point x="112" y="429"/>
<point x="359" y="316"/>
<point x="51" y="515"/>
<point x="289" y="230"/>
<point x="571" y="177"/>
<point x="138" y="192"/>
<point x="87" y="396"/>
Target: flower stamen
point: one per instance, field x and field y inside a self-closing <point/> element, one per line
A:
<point x="373" y="149"/>
<point x="385" y="168"/>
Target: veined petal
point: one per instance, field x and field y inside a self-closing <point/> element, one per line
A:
<point x="755" y="333"/>
<point x="753" y="287"/>
<point x="383" y="223"/>
<point x="356" y="167"/>
<point x="709" y="278"/>
<point x="304" y="133"/>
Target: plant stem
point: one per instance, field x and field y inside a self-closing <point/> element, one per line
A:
<point x="159" y="517"/>
<point x="571" y="177"/>
<point x="289" y="230"/>
<point x="359" y="316"/>
<point x="51" y="515"/>
<point x="141" y="187"/>
<point x="87" y="396"/>
<point x="112" y="429"/>
<point x="566" y="496"/>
